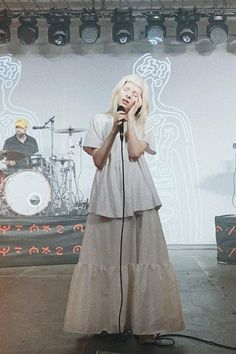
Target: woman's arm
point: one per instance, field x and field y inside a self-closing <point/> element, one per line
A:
<point x="136" y="147"/>
<point x="101" y="154"/>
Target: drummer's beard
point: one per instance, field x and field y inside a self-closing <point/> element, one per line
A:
<point x="20" y="135"/>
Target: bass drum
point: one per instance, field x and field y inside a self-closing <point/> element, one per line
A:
<point x="26" y="192"/>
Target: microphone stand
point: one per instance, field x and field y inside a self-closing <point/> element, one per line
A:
<point x="51" y="181"/>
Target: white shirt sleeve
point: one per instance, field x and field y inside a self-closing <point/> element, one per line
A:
<point x="94" y="137"/>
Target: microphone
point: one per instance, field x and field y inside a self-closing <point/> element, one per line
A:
<point x="52" y="119"/>
<point x="121" y="127"/>
<point x="38" y="127"/>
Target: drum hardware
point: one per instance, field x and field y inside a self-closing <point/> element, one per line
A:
<point x="81" y="208"/>
<point x="62" y="161"/>
<point x="50" y="167"/>
<point x="11" y="155"/>
<point x="65" y="195"/>
<point x="68" y="198"/>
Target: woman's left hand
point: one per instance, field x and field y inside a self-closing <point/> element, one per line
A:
<point x="137" y="104"/>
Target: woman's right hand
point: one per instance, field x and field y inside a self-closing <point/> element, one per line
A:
<point x="120" y="117"/>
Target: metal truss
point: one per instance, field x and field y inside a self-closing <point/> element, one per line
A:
<point x="105" y="8"/>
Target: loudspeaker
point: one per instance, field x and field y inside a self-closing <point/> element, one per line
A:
<point x="226" y="238"/>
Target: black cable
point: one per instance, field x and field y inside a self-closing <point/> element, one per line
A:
<point x="172" y="342"/>
<point x="122" y="229"/>
<point x="234" y="175"/>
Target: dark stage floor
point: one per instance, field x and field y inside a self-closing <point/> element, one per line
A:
<point x="33" y="301"/>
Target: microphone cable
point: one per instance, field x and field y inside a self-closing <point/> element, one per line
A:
<point x="165" y="340"/>
<point x="122" y="229"/>
<point x="234" y="181"/>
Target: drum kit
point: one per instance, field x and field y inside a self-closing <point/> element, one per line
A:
<point x="41" y="189"/>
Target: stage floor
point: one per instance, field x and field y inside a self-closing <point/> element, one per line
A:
<point x="33" y="301"/>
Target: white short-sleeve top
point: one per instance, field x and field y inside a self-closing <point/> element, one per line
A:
<point x="106" y="195"/>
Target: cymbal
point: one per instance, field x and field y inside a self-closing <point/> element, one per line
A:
<point x="11" y="155"/>
<point x="70" y="130"/>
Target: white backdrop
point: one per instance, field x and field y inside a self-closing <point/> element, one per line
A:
<point x="193" y="109"/>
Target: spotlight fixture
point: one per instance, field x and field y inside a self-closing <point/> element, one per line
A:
<point x="89" y="30"/>
<point x="155" y="31"/>
<point x="59" y="29"/>
<point x="27" y="32"/>
<point x="5" y="34"/>
<point x="217" y="30"/>
<point x="187" y="29"/>
<point x="123" y="29"/>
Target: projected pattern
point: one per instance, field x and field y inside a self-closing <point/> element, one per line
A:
<point x="10" y="74"/>
<point x="174" y="168"/>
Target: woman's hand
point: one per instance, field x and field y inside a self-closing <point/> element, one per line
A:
<point x="137" y="104"/>
<point x="120" y="117"/>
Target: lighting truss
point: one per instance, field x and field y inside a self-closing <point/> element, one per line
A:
<point x="122" y="19"/>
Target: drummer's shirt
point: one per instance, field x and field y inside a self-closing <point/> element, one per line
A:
<point x="28" y="148"/>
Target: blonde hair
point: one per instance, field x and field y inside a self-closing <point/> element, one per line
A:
<point x="142" y="114"/>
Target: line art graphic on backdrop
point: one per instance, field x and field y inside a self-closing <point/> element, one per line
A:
<point x="10" y="75"/>
<point x="174" y="168"/>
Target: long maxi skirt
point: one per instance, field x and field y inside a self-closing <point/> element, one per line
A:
<point x="151" y="301"/>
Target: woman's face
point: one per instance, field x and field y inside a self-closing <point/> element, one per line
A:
<point x="129" y="94"/>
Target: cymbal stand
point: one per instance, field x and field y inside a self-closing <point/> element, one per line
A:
<point x="68" y="176"/>
<point x="70" y="153"/>
<point x="67" y="197"/>
<point x="79" y="193"/>
<point x="51" y="120"/>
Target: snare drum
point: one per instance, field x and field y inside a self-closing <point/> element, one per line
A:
<point x="37" y="160"/>
<point x="26" y="192"/>
<point x="38" y="163"/>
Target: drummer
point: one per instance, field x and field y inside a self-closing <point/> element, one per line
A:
<point x="21" y="142"/>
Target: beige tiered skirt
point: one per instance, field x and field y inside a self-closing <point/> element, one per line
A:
<point x="151" y="301"/>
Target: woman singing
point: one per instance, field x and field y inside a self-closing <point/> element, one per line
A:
<point x="151" y="303"/>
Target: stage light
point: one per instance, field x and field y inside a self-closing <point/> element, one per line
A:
<point x="187" y="29"/>
<point x="27" y="32"/>
<point x="217" y="30"/>
<point x="5" y="34"/>
<point x="155" y="31"/>
<point x="89" y="30"/>
<point x="123" y="29"/>
<point x="59" y="29"/>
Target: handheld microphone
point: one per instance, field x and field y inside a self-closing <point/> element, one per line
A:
<point x="38" y="127"/>
<point x="121" y="127"/>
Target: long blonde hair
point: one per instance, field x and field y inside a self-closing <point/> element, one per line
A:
<point x="142" y="114"/>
